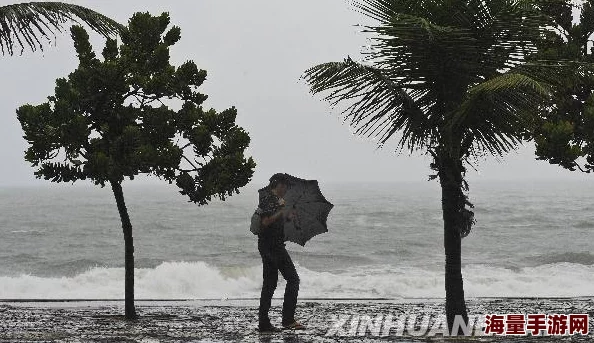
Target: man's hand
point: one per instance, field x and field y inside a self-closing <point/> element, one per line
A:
<point x="282" y="213"/>
<point x="290" y="214"/>
<point x="281" y="201"/>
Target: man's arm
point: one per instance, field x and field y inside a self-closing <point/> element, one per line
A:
<point x="288" y="214"/>
<point x="266" y="221"/>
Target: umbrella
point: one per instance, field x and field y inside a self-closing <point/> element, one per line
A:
<point x="312" y="210"/>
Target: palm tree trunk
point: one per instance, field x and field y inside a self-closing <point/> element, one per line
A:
<point x="116" y="186"/>
<point x="453" y="202"/>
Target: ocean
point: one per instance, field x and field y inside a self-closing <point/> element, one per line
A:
<point x="531" y="239"/>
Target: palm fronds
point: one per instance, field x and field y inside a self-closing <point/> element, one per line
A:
<point x="26" y="24"/>
<point x="435" y="72"/>
<point x="495" y="113"/>
<point x="379" y="105"/>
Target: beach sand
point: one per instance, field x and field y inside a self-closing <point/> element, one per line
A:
<point x="235" y="320"/>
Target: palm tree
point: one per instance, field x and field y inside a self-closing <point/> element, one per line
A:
<point x="26" y="24"/>
<point x="448" y="78"/>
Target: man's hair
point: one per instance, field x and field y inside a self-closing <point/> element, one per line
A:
<point x="277" y="179"/>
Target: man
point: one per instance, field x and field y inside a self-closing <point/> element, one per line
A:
<point x="275" y="258"/>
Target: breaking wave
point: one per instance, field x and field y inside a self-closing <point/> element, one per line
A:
<point x="199" y="280"/>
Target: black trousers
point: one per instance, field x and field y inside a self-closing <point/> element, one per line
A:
<point x="275" y="258"/>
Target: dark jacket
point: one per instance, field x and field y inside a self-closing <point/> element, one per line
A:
<point x="272" y="235"/>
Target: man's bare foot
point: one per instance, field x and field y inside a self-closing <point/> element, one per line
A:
<point x="294" y="326"/>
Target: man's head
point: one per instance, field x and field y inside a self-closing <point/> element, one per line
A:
<point x="279" y="183"/>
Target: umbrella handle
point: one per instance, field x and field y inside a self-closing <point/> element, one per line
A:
<point x="296" y="221"/>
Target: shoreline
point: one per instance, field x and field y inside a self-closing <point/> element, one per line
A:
<point x="235" y="320"/>
<point x="399" y="300"/>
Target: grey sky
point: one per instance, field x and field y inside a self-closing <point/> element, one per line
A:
<point x="254" y="52"/>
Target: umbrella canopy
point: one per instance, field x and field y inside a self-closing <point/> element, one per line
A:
<point x="312" y="209"/>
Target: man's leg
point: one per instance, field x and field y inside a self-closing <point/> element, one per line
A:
<point x="270" y="278"/>
<point x="287" y="269"/>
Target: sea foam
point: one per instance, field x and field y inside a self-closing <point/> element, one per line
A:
<point x="199" y="280"/>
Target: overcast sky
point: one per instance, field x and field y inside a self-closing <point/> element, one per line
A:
<point x="254" y="52"/>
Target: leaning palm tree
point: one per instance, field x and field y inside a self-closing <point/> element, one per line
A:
<point x="28" y="24"/>
<point x="447" y="78"/>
